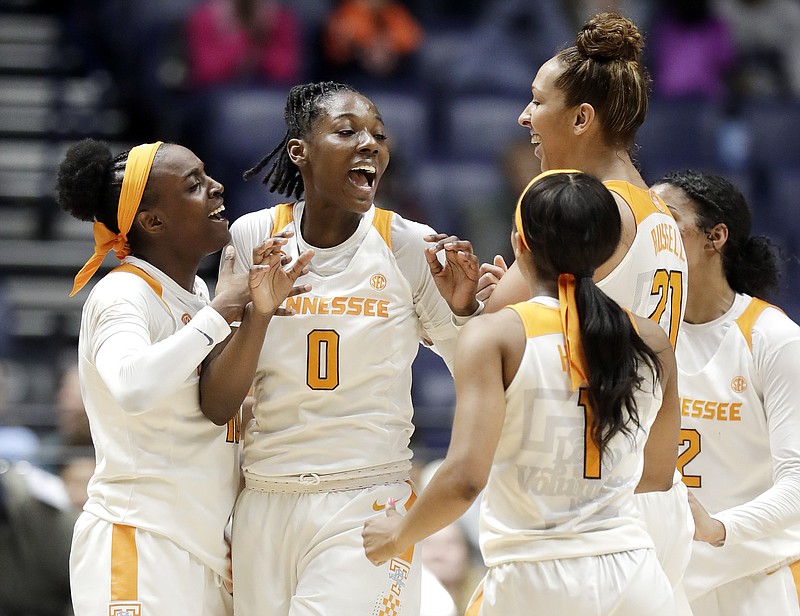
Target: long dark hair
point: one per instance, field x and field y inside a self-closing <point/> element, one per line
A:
<point x="749" y="262"/>
<point x="572" y="225"/>
<point x="303" y="106"/>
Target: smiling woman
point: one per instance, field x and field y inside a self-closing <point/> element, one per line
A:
<point x="329" y="442"/>
<point x="145" y="330"/>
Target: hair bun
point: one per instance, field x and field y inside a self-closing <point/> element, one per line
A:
<point x="83" y="177"/>
<point x="610" y="36"/>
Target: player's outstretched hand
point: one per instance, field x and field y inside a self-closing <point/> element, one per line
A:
<point x="491" y="273"/>
<point x="232" y="291"/>
<point x="378" y="535"/>
<point x="457" y="279"/>
<point x="271" y="280"/>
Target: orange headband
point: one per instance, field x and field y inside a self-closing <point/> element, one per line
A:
<point x="570" y="325"/>
<point x="134" y="179"/>
<point x="518" y="211"/>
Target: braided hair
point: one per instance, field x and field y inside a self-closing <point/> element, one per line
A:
<point x="303" y="106"/>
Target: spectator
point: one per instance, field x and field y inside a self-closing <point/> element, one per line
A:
<point x="455" y="562"/>
<point x="510" y="37"/>
<point x="768" y="45"/>
<point x="243" y="41"/>
<point x="16" y="442"/>
<point x="372" y="39"/>
<point x="692" y="51"/>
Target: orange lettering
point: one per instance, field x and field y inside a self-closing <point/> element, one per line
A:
<point x="322" y="307"/>
<point x="369" y="307"/>
<point x="338" y="305"/>
<point x="383" y="308"/>
<point x="355" y="305"/>
<point x="735" y="407"/>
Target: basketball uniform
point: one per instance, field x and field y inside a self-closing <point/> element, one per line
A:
<point x="166" y="476"/>
<point x="553" y="508"/>
<point x="329" y="441"/>
<point x="739" y="383"/>
<point x="650" y="281"/>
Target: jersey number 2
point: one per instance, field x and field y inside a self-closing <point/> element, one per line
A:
<point x="323" y="359"/>
<point x="691" y="437"/>
<point x="668" y="286"/>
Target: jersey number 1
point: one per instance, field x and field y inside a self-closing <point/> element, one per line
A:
<point x="591" y="452"/>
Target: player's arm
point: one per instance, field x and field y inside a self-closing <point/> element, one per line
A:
<point x="661" y="449"/>
<point x="779" y="506"/>
<point x="510" y="289"/>
<point x="480" y="411"/>
<point x="227" y="375"/>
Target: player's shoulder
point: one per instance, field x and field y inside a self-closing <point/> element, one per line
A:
<point x="407" y="232"/>
<point x="259" y="222"/>
<point x="774" y="326"/>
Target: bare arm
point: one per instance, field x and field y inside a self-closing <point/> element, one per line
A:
<point x="228" y="373"/>
<point x="661" y="449"/>
<point x="510" y="289"/>
<point x="480" y="411"/>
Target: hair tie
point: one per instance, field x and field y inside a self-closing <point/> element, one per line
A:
<point x="570" y="324"/>
<point x="134" y="179"/>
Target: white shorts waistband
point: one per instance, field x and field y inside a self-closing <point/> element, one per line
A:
<point x="335" y="482"/>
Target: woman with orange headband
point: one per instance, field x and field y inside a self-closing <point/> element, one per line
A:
<point x="587" y="102"/>
<point x="555" y="398"/>
<point x="151" y="539"/>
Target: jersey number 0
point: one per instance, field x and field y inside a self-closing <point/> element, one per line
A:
<point x="322" y="370"/>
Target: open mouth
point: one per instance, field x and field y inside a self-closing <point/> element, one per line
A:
<point x="215" y="215"/>
<point x="363" y="176"/>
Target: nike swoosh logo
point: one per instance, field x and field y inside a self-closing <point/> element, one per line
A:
<point x="209" y="338"/>
<point x="377" y="507"/>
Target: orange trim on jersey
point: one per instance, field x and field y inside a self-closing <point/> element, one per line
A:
<point x="408" y="555"/>
<point x="748" y="318"/>
<point x="795" y="569"/>
<point x="284" y="214"/>
<point x="476" y="603"/>
<point x="137" y="271"/>
<point x="642" y="201"/>
<point x="538" y="320"/>
<point x="382" y="221"/>
<point x="124" y="564"/>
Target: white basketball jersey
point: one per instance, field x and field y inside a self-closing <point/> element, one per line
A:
<point x="549" y="494"/>
<point x="333" y="383"/>
<point x="651" y="279"/>
<point x="725" y="456"/>
<point x="168" y="469"/>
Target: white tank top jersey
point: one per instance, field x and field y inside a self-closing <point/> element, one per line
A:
<point x="549" y="495"/>
<point x="651" y="279"/>
<point x="161" y="464"/>
<point x="739" y="382"/>
<point x="333" y="382"/>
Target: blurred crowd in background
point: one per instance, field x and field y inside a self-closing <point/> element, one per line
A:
<point x="449" y="77"/>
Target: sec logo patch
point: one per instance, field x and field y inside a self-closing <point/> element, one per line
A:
<point x="378" y="282"/>
<point x="738" y="384"/>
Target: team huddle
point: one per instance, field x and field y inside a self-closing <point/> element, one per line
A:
<point x="253" y="449"/>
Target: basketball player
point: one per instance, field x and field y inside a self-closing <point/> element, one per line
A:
<point x="555" y="398"/>
<point x="739" y="382"/>
<point x="151" y="537"/>
<point x="588" y="101"/>
<point x="329" y="442"/>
